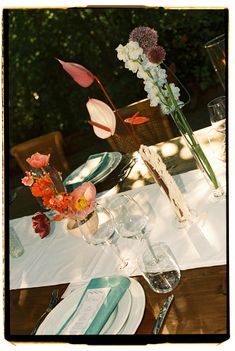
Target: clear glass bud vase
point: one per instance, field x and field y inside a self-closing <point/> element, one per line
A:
<point x="55" y="177"/>
<point x="197" y="152"/>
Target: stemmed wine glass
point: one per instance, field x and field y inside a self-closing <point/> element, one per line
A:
<point x="156" y="262"/>
<point x="100" y="230"/>
<point x="217" y="114"/>
<point x="216" y="51"/>
<point x="131" y="221"/>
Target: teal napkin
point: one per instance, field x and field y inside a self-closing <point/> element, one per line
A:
<point x="103" y="163"/>
<point x="118" y="285"/>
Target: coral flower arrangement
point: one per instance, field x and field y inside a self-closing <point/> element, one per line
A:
<point x="77" y="205"/>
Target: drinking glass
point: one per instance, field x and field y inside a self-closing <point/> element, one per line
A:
<point x="16" y="248"/>
<point x="131" y="220"/>
<point x="217" y="113"/>
<point x="216" y="51"/>
<point x="217" y="137"/>
<point x="159" y="267"/>
<point x="100" y="230"/>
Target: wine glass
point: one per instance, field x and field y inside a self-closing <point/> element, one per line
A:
<point x="217" y="54"/>
<point x="100" y="230"/>
<point x="217" y="137"/>
<point x="217" y="113"/>
<point x="131" y="220"/>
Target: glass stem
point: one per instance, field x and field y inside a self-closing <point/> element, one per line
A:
<point x="156" y="260"/>
<point x="117" y="252"/>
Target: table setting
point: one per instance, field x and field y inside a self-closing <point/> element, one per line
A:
<point x="118" y="260"/>
<point x="203" y="244"/>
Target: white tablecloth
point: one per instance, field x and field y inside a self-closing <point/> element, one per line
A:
<point x="61" y="257"/>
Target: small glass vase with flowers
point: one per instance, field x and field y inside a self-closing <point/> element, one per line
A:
<point x="45" y="183"/>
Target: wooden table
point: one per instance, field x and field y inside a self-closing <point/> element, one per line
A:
<point x="199" y="312"/>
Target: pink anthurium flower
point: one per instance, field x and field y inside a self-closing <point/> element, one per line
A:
<point x="102" y="118"/>
<point x="135" y="119"/>
<point x="101" y="126"/>
<point x="80" y="74"/>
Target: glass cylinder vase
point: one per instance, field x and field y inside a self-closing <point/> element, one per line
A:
<point x="197" y="152"/>
<point x="77" y="227"/>
<point x="55" y="177"/>
<point x="193" y="144"/>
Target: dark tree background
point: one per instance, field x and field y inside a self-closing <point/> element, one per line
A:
<point x="43" y="98"/>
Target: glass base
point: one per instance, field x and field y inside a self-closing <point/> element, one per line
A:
<point x="218" y="194"/>
<point x="127" y="268"/>
<point x="187" y="222"/>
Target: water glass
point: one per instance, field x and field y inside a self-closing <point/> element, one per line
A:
<point x="131" y="221"/>
<point x="217" y="113"/>
<point x="16" y="248"/>
<point x="217" y="141"/>
<point x="216" y="51"/>
<point x="99" y="229"/>
<point x="217" y="136"/>
<point x="159" y="267"/>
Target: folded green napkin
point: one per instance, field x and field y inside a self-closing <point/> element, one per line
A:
<point x="103" y="163"/>
<point x="104" y="159"/>
<point x="118" y="286"/>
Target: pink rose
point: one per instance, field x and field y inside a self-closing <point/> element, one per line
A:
<point x="28" y="179"/>
<point x="38" y="160"/>
<point x="41" y="224"/>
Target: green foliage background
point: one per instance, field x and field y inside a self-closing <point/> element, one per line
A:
<point x="43" y="97"/>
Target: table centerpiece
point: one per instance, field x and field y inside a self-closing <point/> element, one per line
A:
<point x="45" y="183"/>
<point x="142" y="55"/>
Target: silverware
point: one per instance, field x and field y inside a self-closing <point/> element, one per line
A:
<point x="162" y="314"/>
<point x="53" y="302"/>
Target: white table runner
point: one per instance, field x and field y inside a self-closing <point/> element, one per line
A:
<point x="62" y="258"/>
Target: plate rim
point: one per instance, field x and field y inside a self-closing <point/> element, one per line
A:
<point x="79" y="293"/>
<point x="96" y="179"/>
<point x="117" y="157"/>
<point x="129" y="327"/>
<point x="79" y="168"/>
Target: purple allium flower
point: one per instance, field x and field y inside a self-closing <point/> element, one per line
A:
<point x="156" y="54"/>
<point x="145" y="37"/>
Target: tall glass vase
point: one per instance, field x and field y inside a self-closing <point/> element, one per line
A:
<point x="191" y="141"/>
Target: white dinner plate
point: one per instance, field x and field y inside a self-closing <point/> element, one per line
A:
<point x="137" y="308"/>
<point x="56" y="318"/>
<point x="110" y="164"/>
<point x="119" y="315"/>
<point x="115" y="159"/>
